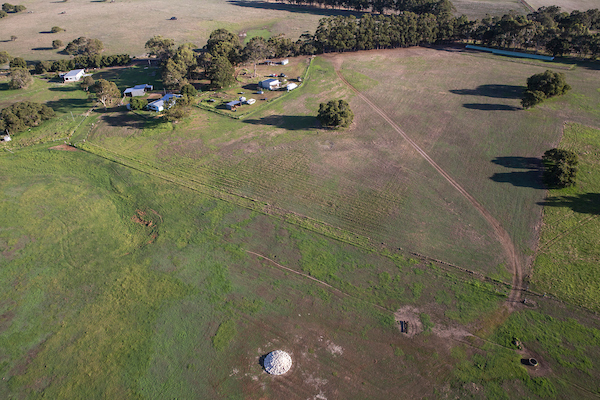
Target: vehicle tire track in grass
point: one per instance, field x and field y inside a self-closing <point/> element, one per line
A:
<point x="501" y="234"/>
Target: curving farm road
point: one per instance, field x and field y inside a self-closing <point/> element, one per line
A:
<point x="501" y="234"/>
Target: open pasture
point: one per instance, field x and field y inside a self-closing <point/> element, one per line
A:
<point x="567" y="258"/>
<point x="565" y="5"/>
<point x="477" y="9"/>
<point x="125" y="25"/>
<point x="114" y="283"/>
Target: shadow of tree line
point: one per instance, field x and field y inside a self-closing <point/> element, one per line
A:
<point x="531" y="177"/>
<point x="585" y="203"/>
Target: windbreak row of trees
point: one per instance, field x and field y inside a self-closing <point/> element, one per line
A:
<point x="436" y="7"/>
<point x="96" y="61"/>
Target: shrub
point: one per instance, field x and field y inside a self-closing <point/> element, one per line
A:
<point x="56" y="29"/>
<point x="17" y="62"/>
<point x="4" y="57"/>
<point x="542" y="86"/>
<point x="3" y="13"/>
<point x="42" y="67"/>
<point x="189" y="90"/>
<point x="19" y="8"/>
<point x="56" y="44"/>
<point x="138" y="104"/>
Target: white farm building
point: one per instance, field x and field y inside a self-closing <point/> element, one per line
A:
<point x="159" y="105"/>
<point x="137" y="90"/>
<point x="74" y="75"/>
<point x="271" y="84"/>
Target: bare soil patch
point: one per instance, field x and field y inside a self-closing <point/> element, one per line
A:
<point x="63" y="147"/>
<point x="409" y="315"/>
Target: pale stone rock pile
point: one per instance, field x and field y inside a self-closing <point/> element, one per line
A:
<point x="278" y="362"/>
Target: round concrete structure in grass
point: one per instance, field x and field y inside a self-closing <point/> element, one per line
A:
<point x="278" y="362"/>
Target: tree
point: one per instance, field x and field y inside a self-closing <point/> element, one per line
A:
<point x="256" y="50"/>
<point x="7" y="7"/>
<point x="3" y="14"/>
<point x="160" y="47"/>
<point x="174" y="74"/>
<point x="85" y="46"/>
<point x="138" y="104"/>
<point x="106" y="91"/>
<point x="542" y="86"/>
<point x="42" y="67"/>
<point x="19" y="116"/>
<point x="17" y="62"/>
<point x="19" y="8"/>
<point x="176" y="112"/>
<point x="226" y="44"/>
<point x="56" y="44"/>
<point x="4" y="57"/>
<point x="86" y="83"/>
<point x="335" y="114"/>
<point x="560" y="168"/>
<point x="220" y="72"/>
<point x="189" y="90"/>
<point x="20" y="78"/>
<point x="13" y="38"/>
<point x="56" y="29"/>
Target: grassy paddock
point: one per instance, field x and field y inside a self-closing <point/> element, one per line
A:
<point x="125" y="26"/>
<point x="567" y="260"/>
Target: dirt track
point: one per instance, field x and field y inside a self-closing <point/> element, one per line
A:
<point x="501" y="234"/>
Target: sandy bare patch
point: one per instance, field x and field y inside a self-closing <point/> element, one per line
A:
<point x="410" y="315"/>
<point x="334" y="348"/>
<point x="63" y="147"/>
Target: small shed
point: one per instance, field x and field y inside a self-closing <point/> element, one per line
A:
<point x="285" y="61"/>
<point x="232" y="105"/>
<point x="5" y="137"/>
<point x="271" y="84"/>
<point x="137" y="90"/>
<point x="159" y="105"/>
<point x="291" y="86"/>
<point x="74" y="75"/>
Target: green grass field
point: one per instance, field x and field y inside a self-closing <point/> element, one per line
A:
<point x="567" y="261"/>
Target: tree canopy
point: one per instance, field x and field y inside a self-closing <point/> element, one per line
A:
<point x="560" y="168"/>
<point x="22" y="115"/>
<point x="335" y="114"/>
<point x="106" y="91"/>
<point x="160" y="47"/>
<point x="18" y="62"/>
<point x="84" y="46"/>
<point x="220" y="72"/>
<point x="542" y="86"/>
<point x="20" y="78"/>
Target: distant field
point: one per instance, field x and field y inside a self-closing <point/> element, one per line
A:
<point x="125" y="25"/>
<point x="569" y="250"/>
<point x="477" y="9"/>
<point x="565" y="5"/>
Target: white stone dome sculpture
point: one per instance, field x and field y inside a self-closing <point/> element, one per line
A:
<point x="278" y="362"/>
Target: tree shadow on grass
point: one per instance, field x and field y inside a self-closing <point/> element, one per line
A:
<point x="490" y="107"/>
<point x="66" y="105"/>
<point x="531" y="178"/>
<point x="124" y="119"/>
<point x="69" y="88"/>
<point x="42" y="48"/>
<point x="586" y="203"/>
<point x="263" y="5"/>
<point x="288" y="122"/>
<point x="495" y="91"/>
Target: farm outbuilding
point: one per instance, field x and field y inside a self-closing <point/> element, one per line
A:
<point x="159" y="105"/>
<point x="232" y="105"/>
<point x="271" y="84"/>
<point x="137" y="90"/>
<point x="74" y="75"/>
<point x="291" y="86"/>
<point x="285" y="61"/>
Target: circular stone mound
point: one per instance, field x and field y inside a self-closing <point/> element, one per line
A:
<point x="278" y="362"/>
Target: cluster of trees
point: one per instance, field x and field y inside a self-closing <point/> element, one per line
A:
<point x="177" y="64"/>
<point x="22" y="115"/>
<point x="19" y="76"/>
<point x="560" y="168"/>
<point x="9" y="8"/>
<point x="84" y="46"/>
<point x="335" y="114"/>
<point x="95" y="61"/>
<point x="542" y="86"/>
<point x="435" y="7"/>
